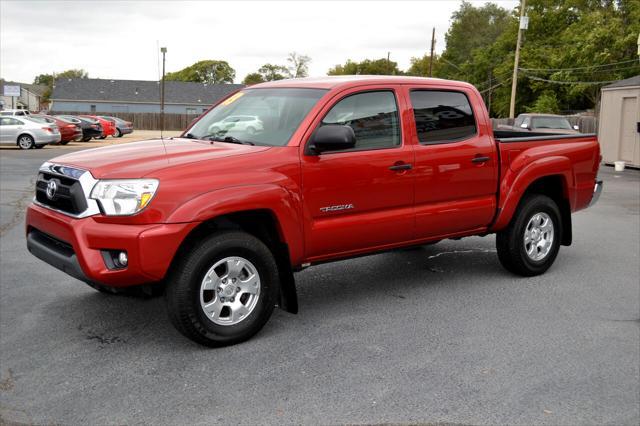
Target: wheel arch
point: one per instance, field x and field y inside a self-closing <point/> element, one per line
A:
<point x="25" y="133"/>
<point x="261" y="223"/>
<point x="551" y="177"/>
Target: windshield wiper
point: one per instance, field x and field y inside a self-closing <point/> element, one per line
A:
<point x="228" y="139"/>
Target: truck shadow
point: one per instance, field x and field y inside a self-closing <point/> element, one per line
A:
<point x="112" y="321"/>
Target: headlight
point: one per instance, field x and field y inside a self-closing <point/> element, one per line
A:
<point x="121" y="197"/>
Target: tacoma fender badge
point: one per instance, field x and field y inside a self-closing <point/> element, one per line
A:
<point x="337" y="208"/>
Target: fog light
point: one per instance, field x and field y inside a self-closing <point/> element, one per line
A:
<point x="122" y="258"/>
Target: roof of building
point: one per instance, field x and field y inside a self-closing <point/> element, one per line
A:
<point x="37" y="89"/>
<point x="628" y="82"/>
<point x="176" y="92"/>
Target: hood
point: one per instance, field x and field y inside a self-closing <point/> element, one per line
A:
<point x="139" y="159"/>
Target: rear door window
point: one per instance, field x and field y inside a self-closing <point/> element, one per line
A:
<point x="442" y="116"/>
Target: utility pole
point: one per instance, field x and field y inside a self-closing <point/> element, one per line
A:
<point x="523" y="24"/>
<point x="164" y="52"/>
<point x="388" y="63"/>
<point x="433" y="48"/>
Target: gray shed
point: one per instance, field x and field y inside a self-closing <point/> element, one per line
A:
<point x="619" y="122"/>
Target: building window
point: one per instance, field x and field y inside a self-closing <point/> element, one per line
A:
<point x="192" y="111"/>
<point x="93" y="108"/>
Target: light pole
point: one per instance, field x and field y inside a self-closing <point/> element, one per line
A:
<point x="164" y="51"/>
<point x="522" y="25"/>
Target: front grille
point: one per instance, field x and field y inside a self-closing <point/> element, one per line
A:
<point x="68" y="196"/>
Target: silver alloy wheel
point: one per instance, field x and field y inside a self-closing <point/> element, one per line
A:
<point x="25" y="142"/>
<point x="538" y="236"/>
<point x="230" y="290"/>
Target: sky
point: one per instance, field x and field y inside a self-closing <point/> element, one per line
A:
<point x="121" y="39"/>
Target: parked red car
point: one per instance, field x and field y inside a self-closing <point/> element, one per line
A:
<point x="108" y="126"/>
<point x="344" y="166"/>
<point x="69" y="131"/>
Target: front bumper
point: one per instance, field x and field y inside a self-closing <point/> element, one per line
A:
<point x="597" y="190"/>
<point x="76" y="246"/>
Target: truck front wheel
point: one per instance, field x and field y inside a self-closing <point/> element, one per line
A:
<point x="530" y="244"/>
<point x="224" y="289"/>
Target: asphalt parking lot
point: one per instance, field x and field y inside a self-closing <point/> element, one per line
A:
<point x="440" y="334"/>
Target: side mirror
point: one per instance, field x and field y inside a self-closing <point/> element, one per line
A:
<point x="332" y="137"/>
<point x="576" y="127"/>
<point x="524" y="126"/>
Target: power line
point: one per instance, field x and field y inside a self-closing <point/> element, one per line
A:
<point x="600" y="71"/>
<point x="569" y="82"/>
<point x="579" y="68"/>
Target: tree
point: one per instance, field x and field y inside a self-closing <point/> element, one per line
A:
<point x="366" y="67"/>
<point x="472" y="28"/>
<point x="547" y="102"/>
<point x="299" y="65"/>
<point x="420" y="66"/>
<point x="49" y="79"/>
<point x="253" y="78"/>
<point x="270" y="72"/>
<point x="207" y="71"/>
<point x="73" y="73"/>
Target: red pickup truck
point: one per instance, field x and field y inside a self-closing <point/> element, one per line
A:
<point x="221" y="217"/>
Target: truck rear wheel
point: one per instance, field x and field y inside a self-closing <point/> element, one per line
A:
<point x="530" y="244"/>
<point x="224" y="290"/>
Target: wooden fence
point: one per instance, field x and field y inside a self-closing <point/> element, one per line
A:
<point x="586" y="123"/>
<point x="147" y="120"/>
<point x="151" y="120"/>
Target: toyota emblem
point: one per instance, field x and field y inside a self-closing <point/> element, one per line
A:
<point x="52" y="187"/>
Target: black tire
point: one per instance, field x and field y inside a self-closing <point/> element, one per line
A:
<point x="102" y="137"/>
<point x="510" y="241"/>
<point x="183" y="288"/>
<point x="39" y="146"/>
<point x="25" y="142"/>
<point x="117" y="133"/>
<point x="87" y="139"/>
<point x="64" y="142"/>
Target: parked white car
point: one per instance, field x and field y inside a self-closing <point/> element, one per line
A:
<point x="250" y="124"/>
<point x="27" y="133"/>
<point x="15" y="112"/>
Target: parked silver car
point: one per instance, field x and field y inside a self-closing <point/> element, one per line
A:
<point x="15" y="112"/>
<point x="27" y="133"/>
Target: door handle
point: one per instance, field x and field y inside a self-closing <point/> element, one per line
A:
<point x="400" y="167"/>
<point x="480" y="159"/>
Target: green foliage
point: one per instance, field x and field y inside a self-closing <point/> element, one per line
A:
<point x="567" y="41"/>
<point x="253" y="78"/>
<point x="48" y="80"/>
<point x="44" y="79"/>
<point x="420" y="66"/>
<point x="547" y="102"/>
<point x="366" y="67"/>
<point x="73" y="73"/>
<point x="270" y="72"/>
<point x="207" y="71"/>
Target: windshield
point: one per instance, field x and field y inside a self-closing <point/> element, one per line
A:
<point x="259" y="116"/>
<point x="551" y="123"/>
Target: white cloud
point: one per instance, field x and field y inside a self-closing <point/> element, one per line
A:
<point x="120" y="39"/>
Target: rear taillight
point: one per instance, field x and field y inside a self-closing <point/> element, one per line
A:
<point x="48" y="129"/>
